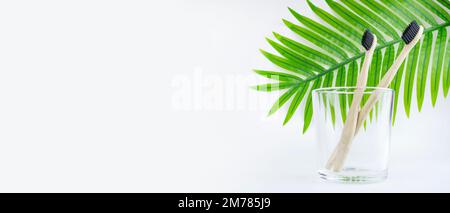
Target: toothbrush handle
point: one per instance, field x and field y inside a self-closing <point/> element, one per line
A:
<point x="384" y="83"/>
<point x="387" y="79"/>
<point x="339" y="159"/>
<point x="352" y="118"/>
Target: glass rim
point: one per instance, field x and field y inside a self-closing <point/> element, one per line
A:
<point x="350" y="90"/>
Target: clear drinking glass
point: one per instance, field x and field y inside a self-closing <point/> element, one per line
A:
<point x="368" y="152"/>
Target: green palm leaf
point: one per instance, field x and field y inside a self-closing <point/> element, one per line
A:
<point x="331" y="55"/>
<point x="308" y="106"/>
<point x="341" y="26"/>
<point x="297" y="59"/>
<point x="300" y="93"/>
<point x="404" y="8"/>
<point x="397" y="82"/>
<point x="328" y="82"/>
<point x="317" y="39"/>
<point x="282" y="100"/>
<point x="340" y="82"/>
<point x="436" y="9"/>
<point x="422" y="72"/>
<point x="306" y="51"/>
<point x="398" y="22"/>
<point x="419" y="11"/>
<point x="410" y="74"/>
<point x="376" y="21"/>
<point x="355" y="20"/>
<point x="332" y="36"/>
<point x="275" y="87"/>
<point x="375" y="69"/>
<point x="389" y="57"/>
<point x="446" y="83"/>
<point x="446" y="3"/>
<point x="280" y="76"/>
<point x="352" y="78"/>
<point x="438" y="59"/>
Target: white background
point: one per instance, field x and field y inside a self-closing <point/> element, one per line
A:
<point x="86" y="104"/>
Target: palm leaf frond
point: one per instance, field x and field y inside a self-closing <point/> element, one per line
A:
<point x="446" y="83"/>
<point x="438" y="59"/>
<point x="397" y="82"/>
<point x="335" y="57"/>
<point x="422" y="72"/>
<point x="410" y="74"/>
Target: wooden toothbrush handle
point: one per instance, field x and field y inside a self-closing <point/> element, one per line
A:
<point x="344" y="148"/>
<point x="387" y="79"/>
<point x="373" y="99"/>
<point x="384" y="83"/>
<point x="352" y="118"/>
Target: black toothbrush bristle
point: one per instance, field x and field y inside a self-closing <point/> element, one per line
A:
<point x="367" y="40"/>
<point x="410" y="32"/>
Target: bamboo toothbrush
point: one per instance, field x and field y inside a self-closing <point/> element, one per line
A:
<point x="369" y="42"/>
<point x="411" y="36"/>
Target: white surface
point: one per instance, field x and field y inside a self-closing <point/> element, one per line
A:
<point x="87" y="91"/>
